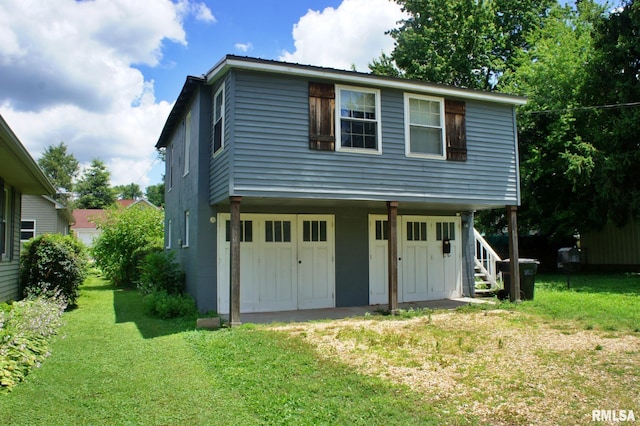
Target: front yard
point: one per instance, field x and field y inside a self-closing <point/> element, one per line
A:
<point x="550" y="361"/>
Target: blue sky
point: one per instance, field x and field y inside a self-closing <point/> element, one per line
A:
<point x="102" y="75"/>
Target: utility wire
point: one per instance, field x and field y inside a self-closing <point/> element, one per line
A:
<point x="612" y="106"/>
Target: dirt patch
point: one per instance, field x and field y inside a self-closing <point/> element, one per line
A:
<point x="502" y="367"/>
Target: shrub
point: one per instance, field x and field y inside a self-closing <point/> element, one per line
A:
<point x="52" y="263"/>
<point x="161" y="304"/>
<point x="127" y="235"/>
<point x="26" y="328"/>
<point x="159" y="271"/>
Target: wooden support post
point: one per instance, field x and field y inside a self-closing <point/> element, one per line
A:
<point x="234" y="263"/>
<point x="514" y="255"/>
<point x="392" y="223"/>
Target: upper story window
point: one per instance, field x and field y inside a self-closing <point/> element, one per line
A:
<point x="424" y="126"/>
<point x="187" y="142"/>
<point x="218" y="120"/>
<point x="358" y="119"/>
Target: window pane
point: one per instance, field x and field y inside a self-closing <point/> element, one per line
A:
<point x="439" y="231"/>
<point x="277" y="234"/>
<point x="323" y="230"/>
<point x="409" y="231"/>
<point x="27" y="224"/>
<point x="306" y="230"/>
<point x="452" y="231"/>
<point x="25" y="235"/>
<point x="286" y="231"/>
<point x="426" y="140"/>
<point x="268" y="231"/>
<point x="423" y="231"/>
<point x="248" y="231"/>
<point x="315" y="230"/>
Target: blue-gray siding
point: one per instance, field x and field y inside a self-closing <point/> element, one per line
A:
<point x="267" y="145"/>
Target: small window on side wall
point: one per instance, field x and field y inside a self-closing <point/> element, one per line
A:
<point x="218" y="120"/>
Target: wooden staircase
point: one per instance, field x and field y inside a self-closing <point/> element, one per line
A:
<point x="488" y="280"/>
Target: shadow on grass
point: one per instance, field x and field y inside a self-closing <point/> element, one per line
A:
<point x="622" y="283"/>
<point x="128" y="307"/>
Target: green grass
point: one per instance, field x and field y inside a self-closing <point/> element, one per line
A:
<point x="117" y="366"/>
<point x="605" y="302"/>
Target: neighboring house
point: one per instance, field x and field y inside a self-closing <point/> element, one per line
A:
<point x="42" y="214"/>
<point x="85" y="228"/>
<point x="19" y="174"/>
<point x="339" y="177"/>
<point x="612" y="248"/>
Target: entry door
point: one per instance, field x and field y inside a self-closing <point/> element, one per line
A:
<point x="316" y="262"/>
<point x="249" y="253"/>
<point x="449" y="268"/>
<point x="277" y="288"/>
<point x="417" y="258"/>
<point x="379" y="263"/>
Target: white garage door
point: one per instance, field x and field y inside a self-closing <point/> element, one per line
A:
<point x="286" y="262"/>
<point x="425" y="271"/>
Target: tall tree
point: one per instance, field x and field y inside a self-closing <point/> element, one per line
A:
<point x="613" y="89"/>
<point x="155" y="194"/>
<point x="93" y="189"/>
<point x="61" y="168"/>
<point x="465" y="43"/>
<point x="131" y="191"/>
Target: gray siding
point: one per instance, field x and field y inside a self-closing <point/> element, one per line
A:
<point x="189" y="192"/>
<point x="10" y="268"/>
<point x="271" y="156"/>
<point x="43" y="211"/>
<point x="219" y="165"/>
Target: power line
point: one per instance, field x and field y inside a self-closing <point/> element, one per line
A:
<point x="612" y="106"/>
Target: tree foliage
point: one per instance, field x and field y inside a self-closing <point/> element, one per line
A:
<point x="94" y="189"/>
<point x="131" y="191"/>
<point x="127" y="236"/>
<point x="155" y="194"/>
<point x="61" y="168"/>
<point x="465" y="43"/>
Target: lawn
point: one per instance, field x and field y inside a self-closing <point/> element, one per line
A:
<point x="549" y="361"/>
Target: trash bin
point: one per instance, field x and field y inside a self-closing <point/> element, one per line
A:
<point x="528" y="270"/>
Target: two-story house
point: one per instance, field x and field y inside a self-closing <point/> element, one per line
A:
<point x="305" y="187"/>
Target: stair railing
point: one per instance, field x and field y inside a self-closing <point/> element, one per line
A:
<point x="485" y="260"/>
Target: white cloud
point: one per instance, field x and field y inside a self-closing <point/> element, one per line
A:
<point x="352" y="34"/>
<point x="243" y="47"/>
<point x="68" y="74"/>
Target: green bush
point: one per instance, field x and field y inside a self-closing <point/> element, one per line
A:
<point x="26" y="328"/>
<point x="161" y="304"/>
<point x="51" y="263"/>
<point x="159" y="271"/>
<point x="127" y="236"/>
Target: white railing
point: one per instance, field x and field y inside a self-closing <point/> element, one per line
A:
<point x="486" y="259"/>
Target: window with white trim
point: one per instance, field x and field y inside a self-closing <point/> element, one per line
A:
<point x="187" y="142"/>
<point x="5" y="221"/>
<point x="169" y="226"/>
<point x="27" y="230"/>
<point x="185" y="241"/>
<point x="424" y="126"/>
<point x="218" y="120"/>
<point x="358" y="119"/>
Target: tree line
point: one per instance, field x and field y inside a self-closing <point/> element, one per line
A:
<point x="578" y="65"/>
<point x="92" y="188"/>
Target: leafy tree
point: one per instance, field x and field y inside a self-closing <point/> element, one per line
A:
<point x="155" y="194"/>
<point x="465" y="43"/>
<point x="127" y="236"/>
<point x="94" y="190"/>
<point x="128" y="192"/>
<point x="613" y="87"/>
<point x="61" y="168"/>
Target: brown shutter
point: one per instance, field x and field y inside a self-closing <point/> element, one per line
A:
<point x="321" y="117"/>
<point x="454" y="112"/>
